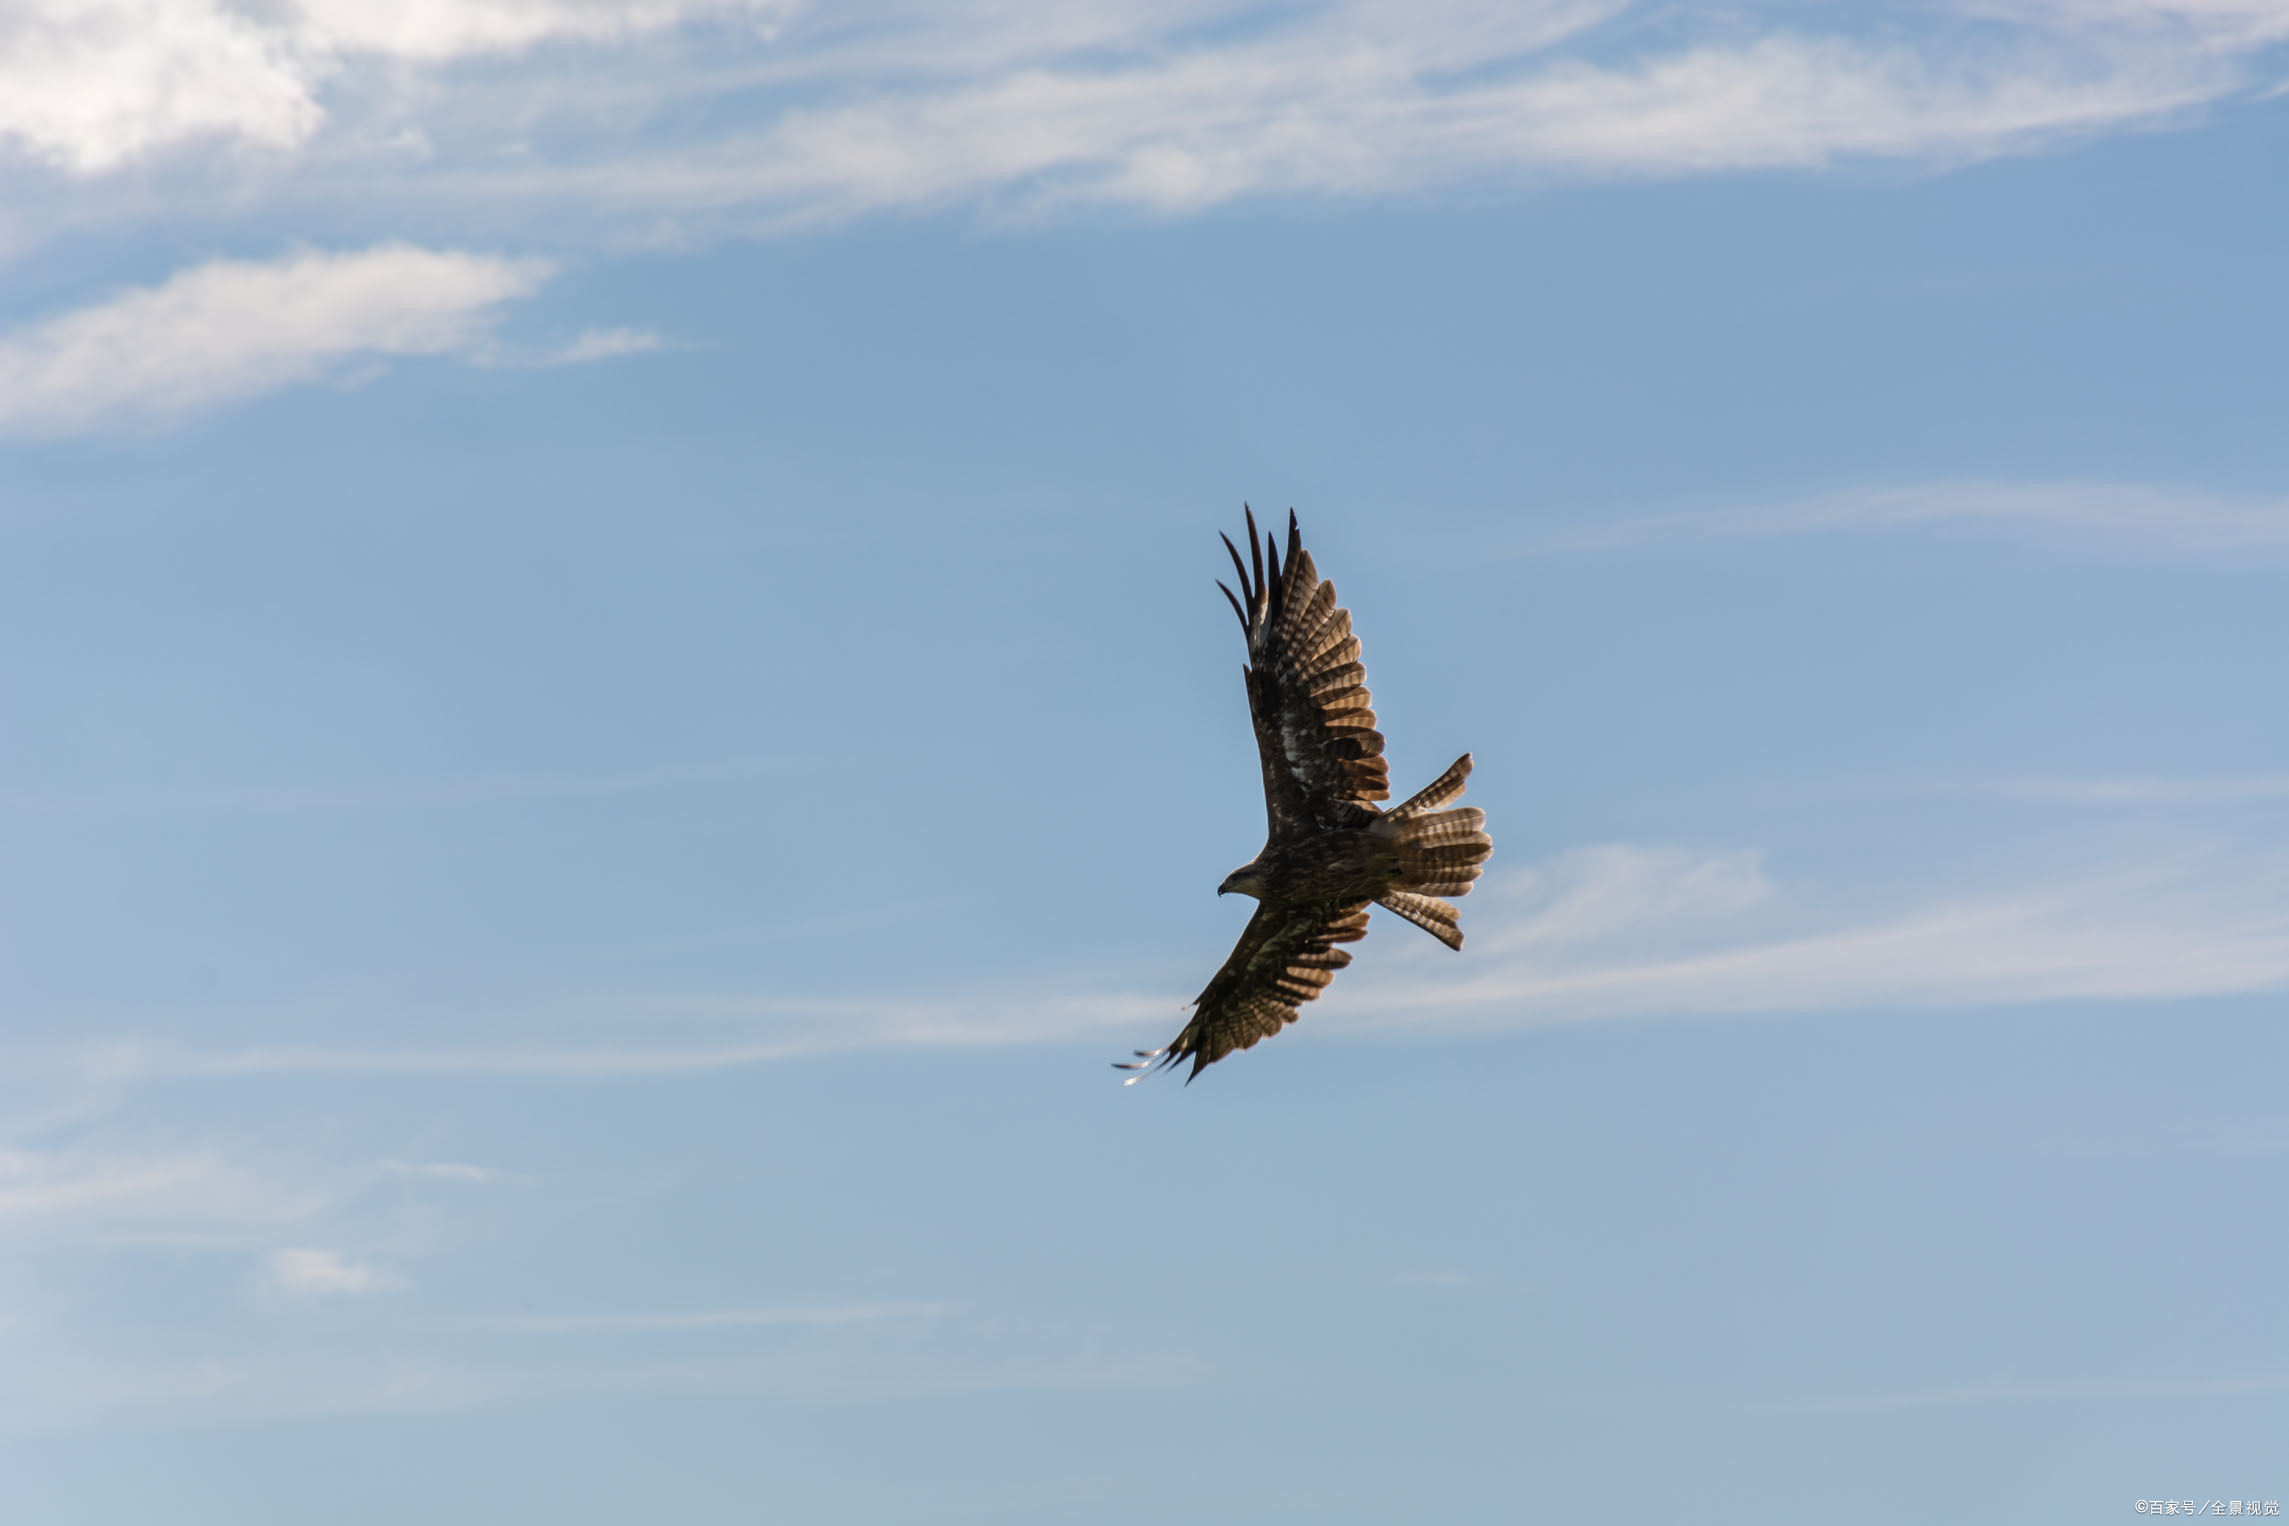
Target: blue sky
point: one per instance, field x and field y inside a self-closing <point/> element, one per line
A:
<point x="615" y="705"/>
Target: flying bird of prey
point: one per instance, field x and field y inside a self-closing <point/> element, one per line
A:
<point x="1329" y="852"/>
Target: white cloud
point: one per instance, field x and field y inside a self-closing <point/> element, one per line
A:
<point x="2128" y="515"/>
<point x="823" y="113"/>
<point x="231" y="329"/>
<point x="92" y="85"/>
<point x="89" y="85"/>
<point x="307" y="1271"/>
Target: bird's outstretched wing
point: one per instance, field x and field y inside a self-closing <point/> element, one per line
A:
<point x="1307" y="690"/>
<point x="1286" y="956"/>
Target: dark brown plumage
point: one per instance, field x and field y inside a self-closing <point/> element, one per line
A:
<point x="1329" y="852"/>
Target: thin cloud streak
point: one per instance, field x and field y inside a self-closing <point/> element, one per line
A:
<point x="2085" y="1389"/>
<point x="2224" y="790"/>
<point x="803" y="1029"/>
<point x="2222" y="23"/>
<point x="2120" y="515"/>
<point x="470" y="790"/>
<point x="193" y="1198"/>
<point x="538" y="1062"/>
<point x="401" y="1382"/>
<point x="715" y="1319"/>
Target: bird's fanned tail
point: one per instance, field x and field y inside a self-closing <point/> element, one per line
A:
<point x="1440" y="854"/>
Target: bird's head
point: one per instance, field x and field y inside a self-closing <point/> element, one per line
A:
<point x="1248" y="879"/>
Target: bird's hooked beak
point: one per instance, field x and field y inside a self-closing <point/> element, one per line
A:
<point x="1242" y="880"/>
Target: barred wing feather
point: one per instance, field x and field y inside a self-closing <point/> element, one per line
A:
<point x="1285" y="957"/>
<point x="1307" y="691"/>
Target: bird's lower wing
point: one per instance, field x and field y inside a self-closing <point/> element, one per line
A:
<point x="1285" y="958"/>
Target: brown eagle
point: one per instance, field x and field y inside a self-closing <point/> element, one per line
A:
<point x="1329" y="852"/>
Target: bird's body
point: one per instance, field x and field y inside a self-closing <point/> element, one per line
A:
<point x="1346" y="864"/>
<point x="1329" y="851"/>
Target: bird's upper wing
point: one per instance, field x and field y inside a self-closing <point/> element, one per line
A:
<point x="1283" y="959"/>
<point x="1323" y="757"/>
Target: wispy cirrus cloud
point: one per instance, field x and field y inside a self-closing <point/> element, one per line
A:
<point x="2119" y="515"/>
<point x="2168" y="929"/>
<point x="1342" y="100"/>
<point x="2073" y="1389"/>
<point x="2226" y="23"/>
<point x="789" y="1029"/>
<point x="232" y="329"/>
<point x="233" y="1196"/>
<point x="2232" y="789"/>
<point x="818" y="114"/>
<point x="201" y="1196"/>
<point x="398" y="1380"/>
